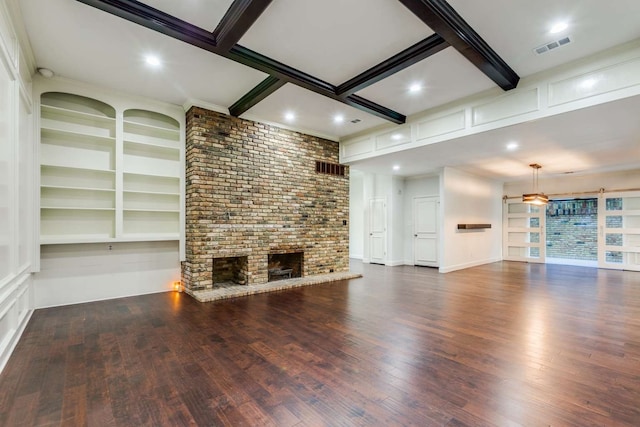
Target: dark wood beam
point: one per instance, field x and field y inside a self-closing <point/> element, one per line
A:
<point x="257" y="94"/>
<point x="414" y="54"/>
<point x="289" y="74"/>
<point x="375" y="109"/>
<point x="267" y="65"/>
<point x="156" y="20"/>
<point x="444" y="20"/>
<point x="238" y="19"/>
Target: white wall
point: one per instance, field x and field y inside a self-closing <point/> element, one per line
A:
<point x="567" y="184"/>
<point x="423" y="186"/>
<point x="356" y="215"/>
<point x="468" y="199"/>
<point x="395" y="222"/>
<point x="77" y="273"/>
<point x="16" y="185"/>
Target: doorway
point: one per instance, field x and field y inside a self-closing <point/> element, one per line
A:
<point x="572" y="232"/>
<point x="425" y="231"/>
<point x="377" y="231"/>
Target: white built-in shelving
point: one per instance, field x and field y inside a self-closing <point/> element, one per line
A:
<point x="107" y="176"/>
<point x="151" y="181"/>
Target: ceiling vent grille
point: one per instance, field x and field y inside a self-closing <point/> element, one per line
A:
<point x="552" y="45"/>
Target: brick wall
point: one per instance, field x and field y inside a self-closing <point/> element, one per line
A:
<point x="252" y="189"/>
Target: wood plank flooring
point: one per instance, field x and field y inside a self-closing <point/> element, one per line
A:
<point x="504" y="344"/>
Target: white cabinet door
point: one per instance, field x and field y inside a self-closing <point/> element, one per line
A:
<point x="524" y="231"/>
<point x="425" y="231"/>
<point x="619" y="231"/>
<point x="377" y="231"/>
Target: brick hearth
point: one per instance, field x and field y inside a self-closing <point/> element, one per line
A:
<point x="255" y="190"/>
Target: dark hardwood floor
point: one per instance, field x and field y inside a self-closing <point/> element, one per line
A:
<point x="503" y="344"/>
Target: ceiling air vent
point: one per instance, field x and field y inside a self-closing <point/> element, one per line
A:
<point x="552" y="45"/>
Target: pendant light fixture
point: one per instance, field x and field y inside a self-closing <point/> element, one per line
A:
<point x="535" y="198"/>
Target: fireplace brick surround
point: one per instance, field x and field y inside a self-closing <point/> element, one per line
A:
<point x="252" y="190"/>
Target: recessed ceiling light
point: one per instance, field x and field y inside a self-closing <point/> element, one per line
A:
<point x="338" y="118"/>
<point x="396" y="167"/>
<point x="396" y="136"/>
<point x="152" y="60"/>
<point x="558" y="27"/>
<point x="512" y="146"/>
<point x="289" y="116"/>
<point x="415" y="88"/>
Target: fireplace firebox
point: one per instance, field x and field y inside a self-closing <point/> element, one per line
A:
<point x="283" y="266"/>
<point x="229" y="271"/>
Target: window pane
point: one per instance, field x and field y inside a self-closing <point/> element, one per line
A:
<point x="614" y="221"/>
<point x="614" y="204"/>
<point x="615" y="257"/>
<point x="612" y="239"/>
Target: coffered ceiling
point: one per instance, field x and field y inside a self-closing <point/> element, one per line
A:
<point x="331" y="67"/>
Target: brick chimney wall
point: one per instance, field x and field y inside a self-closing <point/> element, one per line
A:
<point x="252" y="189"/>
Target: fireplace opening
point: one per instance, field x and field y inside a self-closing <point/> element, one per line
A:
<point x="230" y="271"/>
<point x="285" y="266"/>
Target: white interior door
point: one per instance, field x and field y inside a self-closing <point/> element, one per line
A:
<point x="425" y="231"/>
<point x="377" y="231"/>
<point x="619" y="231"/>
<point x="524" y="231"/>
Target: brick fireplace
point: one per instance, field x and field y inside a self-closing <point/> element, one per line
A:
<point x="256" y="193"/>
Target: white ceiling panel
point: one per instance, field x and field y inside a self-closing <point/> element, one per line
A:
<point x="514" y="28"/>
<point x="442" y="78"/>
<point x="102" y="49"/>
<point x="334" y="40"/>
<point x="312" y="112"/>
<point x="202" y="13"/>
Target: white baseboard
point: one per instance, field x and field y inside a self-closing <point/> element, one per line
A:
<point x="394" y="263"/>
<point x="359" y="257"/>
<point x="448" y="269"/>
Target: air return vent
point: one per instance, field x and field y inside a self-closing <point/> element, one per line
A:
<point x="330" y="168"/>
<point x="552" y="45"/>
